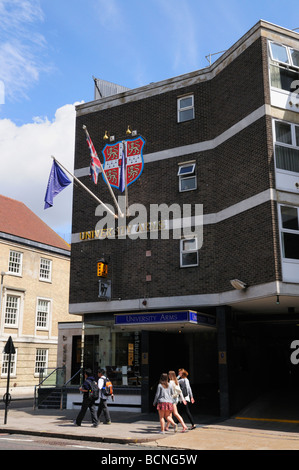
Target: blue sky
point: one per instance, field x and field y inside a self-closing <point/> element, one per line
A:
<point x="50" y="49"/>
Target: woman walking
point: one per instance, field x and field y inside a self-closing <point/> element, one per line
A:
<point x="187" y="393"/>
<point x="176" y="395"/>
<point x="164" y="402"/>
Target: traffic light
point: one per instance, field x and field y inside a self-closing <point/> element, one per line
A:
<point x="102" y="269"/>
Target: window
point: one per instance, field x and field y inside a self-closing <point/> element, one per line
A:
<point x="279" y="53"/>
<point x="41" y="360"/>
<point x="15" y="262"/>
<point x="45" y="269"/>
<point x="186" y="108"/>
<point x="287" y="146"/>
<point x="12" y="309"/>
<point x="187" y="177"/>
<point x="42" y="314"/>
<point x="284" y="66"/>
<point x="290" y="231"/>
<point x="13" y="364"/>
<point x="189" y="252"/>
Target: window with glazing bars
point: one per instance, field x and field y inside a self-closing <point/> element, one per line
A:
<point x="5" y="362"/>
<point x="42" y="317"/>
<point x="15" y="262"/>
<point x="11" y="310"/>
<point x="41" y="359"/>
<point x="45" y="269"/>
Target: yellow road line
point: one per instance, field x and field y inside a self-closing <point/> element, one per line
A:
<point x="271" y="420"/>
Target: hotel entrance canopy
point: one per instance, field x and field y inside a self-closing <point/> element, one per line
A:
<point x="162" y="321"/>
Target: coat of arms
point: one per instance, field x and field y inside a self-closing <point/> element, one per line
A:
<point x="123" y="162"/>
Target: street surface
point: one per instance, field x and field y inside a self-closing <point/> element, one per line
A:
<point x="21" y="442"/>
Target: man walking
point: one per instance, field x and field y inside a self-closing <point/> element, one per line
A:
<point x="103" y="398"/>
<point x="88" y="400"/>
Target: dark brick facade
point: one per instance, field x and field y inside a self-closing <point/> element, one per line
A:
<point x="244" y="245"/>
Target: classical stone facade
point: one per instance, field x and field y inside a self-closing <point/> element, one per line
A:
<point x="35" y="267"/>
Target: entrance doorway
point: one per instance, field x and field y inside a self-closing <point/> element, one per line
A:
<point x="264" y="381"/>
<point x="194" y="351"/>
<point x="168" y="351"/>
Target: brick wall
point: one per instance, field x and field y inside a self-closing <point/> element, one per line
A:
<point x="241" y="167"/>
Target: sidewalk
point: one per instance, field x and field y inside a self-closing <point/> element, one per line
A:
<point x="132" y="428"/>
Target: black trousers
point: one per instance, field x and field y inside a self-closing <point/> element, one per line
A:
<point x="185" y="409"/>
<point x="87" y="403"/>
<point x="104" y="408"/>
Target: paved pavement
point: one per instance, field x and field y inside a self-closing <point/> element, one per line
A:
<point x="238" y="433"/>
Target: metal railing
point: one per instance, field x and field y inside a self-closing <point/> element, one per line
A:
<point x="54" y="379"/>
<point x="63" y="388"/>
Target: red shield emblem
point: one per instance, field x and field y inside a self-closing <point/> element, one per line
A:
<point x="123" y="156"/>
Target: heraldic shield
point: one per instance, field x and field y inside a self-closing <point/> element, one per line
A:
<point x="125" y="156"/>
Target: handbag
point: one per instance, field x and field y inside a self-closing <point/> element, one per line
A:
<point x="176" y="392"/>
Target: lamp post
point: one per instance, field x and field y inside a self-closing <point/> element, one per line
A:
<point x="2" y="274"/>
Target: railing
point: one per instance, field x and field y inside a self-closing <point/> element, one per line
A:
<point x="63" y="388"/>
<point x="52" y="377"/>
<point x="56" y="378"/>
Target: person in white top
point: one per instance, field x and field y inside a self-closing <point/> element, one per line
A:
<point x="176" y="395"/>
<point x="103" y="407"/>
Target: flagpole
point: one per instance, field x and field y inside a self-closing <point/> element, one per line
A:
<point x="105" y="177"/>
<point x="78" y="181"/>
<point x="126" y="186"/>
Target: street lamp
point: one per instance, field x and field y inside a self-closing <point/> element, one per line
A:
<point x="2" y="274"/>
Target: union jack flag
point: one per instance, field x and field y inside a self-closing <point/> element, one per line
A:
<point x="95" y="164"/>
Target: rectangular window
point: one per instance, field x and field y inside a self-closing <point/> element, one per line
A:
<point x="12" y="309"/>
<point x="294" y="57"/>
<point x="290" y="232"/>
<point x="279" y="53"/>
<point x="286" y="146"/>
<point x="284" y="66"/>
<point x="43" y="314"/>
<point x="189" y="252"/>
<point x="45" y="269"/>
<point x="41" y="360"/>
<point x="15" y="262"/>
<point x="187" y="177"/>
<point x="186" y="108"/>
<point x="5" y="363"/>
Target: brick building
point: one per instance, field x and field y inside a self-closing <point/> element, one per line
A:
<point x="224" y="138"/>
<point x="35" y="270"/>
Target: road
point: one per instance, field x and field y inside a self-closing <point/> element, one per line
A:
<point x="21" y="442"/>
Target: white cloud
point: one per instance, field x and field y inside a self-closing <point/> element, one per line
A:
<point x="26" y="162"/>
<point x="21" y="46"/>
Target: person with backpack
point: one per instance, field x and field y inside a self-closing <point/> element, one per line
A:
<point x="106" y="391"/>
<point x="89" y="388"/>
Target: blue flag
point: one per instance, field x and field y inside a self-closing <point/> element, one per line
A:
<point x="57" y="182"/>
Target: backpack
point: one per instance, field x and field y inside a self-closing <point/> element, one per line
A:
<point x="107" y="389"/>
<point x="94" y="389"/>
